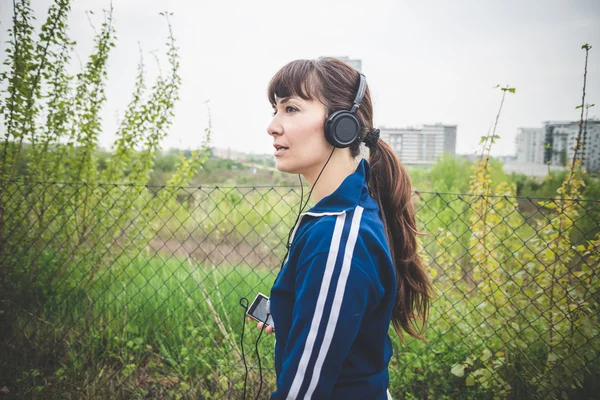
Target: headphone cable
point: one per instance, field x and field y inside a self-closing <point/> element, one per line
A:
<point x="258" y="355"/>
<point x="288" y="245"/>
<point x="302" y="207"/>
<point x="244" y="303"/>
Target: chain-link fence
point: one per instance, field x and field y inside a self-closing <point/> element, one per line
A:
<point x="116" y="291"/>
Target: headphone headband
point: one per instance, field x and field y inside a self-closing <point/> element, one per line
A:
<point x="362" y="88"/>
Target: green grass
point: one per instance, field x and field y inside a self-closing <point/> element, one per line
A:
<point x="152" y="319"/>
<point x="167" y="327"/>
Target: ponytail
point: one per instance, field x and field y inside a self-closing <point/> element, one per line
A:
<point x="390" y="185"/>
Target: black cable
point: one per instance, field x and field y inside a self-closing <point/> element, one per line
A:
<point x="319" y="176"/>
<point x="258" y="356"/>
<point x="288" y="245"/>
<point x="244" y="303"/>
<point x="242" y="342"/>
<point x="302" y="207"/>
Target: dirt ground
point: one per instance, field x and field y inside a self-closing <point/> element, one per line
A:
<point x="217" y="253"/>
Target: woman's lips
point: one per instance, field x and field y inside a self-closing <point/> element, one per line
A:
<point x="280" y="151"/>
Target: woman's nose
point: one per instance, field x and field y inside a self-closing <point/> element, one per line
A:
<point x="274" y="127"/>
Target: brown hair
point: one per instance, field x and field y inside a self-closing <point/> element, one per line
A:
<point x="335" y="83"/>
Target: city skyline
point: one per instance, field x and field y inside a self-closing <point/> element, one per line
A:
<point x="554" y="143"/>
<point x="422" y="61"/>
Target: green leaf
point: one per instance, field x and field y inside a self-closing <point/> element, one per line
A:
<point x="470" y="381"/>
<point x="458" y="370"/>
<point x="128" y="370"/>
<point x="486" y="355"/>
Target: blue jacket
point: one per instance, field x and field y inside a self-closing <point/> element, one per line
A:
<point x="332" y="301"/>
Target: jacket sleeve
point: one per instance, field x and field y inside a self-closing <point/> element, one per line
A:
<point x="332" y="296"/>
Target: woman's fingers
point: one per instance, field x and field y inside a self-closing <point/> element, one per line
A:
<point x="268" y="328"/>
<point x="259" y="326"/>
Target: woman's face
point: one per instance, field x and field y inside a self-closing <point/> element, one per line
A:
<point x="298" y="135"/>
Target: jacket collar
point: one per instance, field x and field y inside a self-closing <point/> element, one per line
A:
<point x="352" y="192"/>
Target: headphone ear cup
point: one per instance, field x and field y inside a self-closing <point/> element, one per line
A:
<point x="342" y="129"/>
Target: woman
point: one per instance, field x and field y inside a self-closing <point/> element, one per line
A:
<point x="352" y="266"/>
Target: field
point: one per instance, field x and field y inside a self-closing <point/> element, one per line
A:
<point x="153" y="309"/>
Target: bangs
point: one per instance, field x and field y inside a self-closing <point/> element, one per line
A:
<point x="297" y="78"/>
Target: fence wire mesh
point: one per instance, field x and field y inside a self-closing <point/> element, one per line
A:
<point x="116" y="291"/>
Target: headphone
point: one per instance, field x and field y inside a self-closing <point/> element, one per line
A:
<point x="342" y="128"/>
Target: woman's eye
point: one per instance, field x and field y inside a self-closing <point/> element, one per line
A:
<point x="288" y="109"/>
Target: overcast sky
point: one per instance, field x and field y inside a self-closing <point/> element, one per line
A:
<point x="425" y="62"/>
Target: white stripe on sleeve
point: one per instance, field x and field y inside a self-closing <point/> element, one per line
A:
<point x="337" y="301"/>
<point x="316" y="320"/>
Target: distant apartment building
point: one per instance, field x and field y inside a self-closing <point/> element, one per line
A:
<point x="554" y="144"/>
<point x="421" y="145"/>
<point x="530" y="145"/>
<point x="561" y="138"/>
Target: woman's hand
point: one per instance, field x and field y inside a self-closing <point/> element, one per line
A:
<point x="259" y="326"/>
